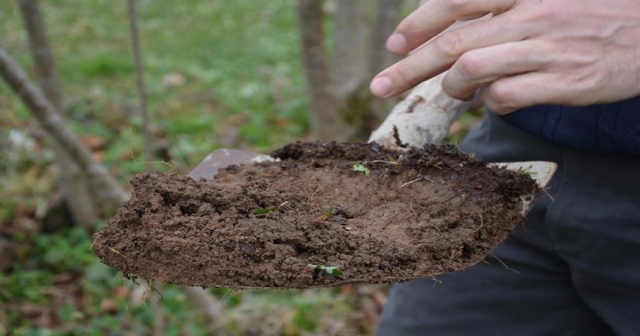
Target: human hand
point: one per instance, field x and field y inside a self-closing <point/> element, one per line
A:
<point x="568" y="52"/>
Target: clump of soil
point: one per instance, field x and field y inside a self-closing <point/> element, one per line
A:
<point x="408" y="215"/>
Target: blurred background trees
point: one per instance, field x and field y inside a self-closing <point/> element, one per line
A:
<point x="244" y="74"/>
<point x="338" y="69"/>
<point x="73" y="186"/>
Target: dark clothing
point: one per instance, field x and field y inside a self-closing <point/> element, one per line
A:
<point x="577" y="258"/>
<point x="606" y="129"/>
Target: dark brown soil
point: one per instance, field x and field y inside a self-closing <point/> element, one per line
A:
<point x="419" y="213"/>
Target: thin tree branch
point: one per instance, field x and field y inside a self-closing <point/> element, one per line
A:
<point x="74" y="183"/>
<point x="203" y="302"/>
<point x="147" y="154"/>
<point x="106" y="190"/>
<point x="142" y="90"/>
<point x="43" y="59"/>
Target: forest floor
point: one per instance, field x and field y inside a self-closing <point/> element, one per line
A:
<point x="219" y="74"/>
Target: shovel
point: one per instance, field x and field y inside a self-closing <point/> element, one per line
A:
<point x="423" y="117"/>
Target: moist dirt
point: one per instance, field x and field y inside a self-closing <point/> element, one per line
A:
<point x="395" y="217"/>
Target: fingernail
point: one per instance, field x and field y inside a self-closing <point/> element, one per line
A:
<point x="397" y="43"/>
<point x="382" y="86"/>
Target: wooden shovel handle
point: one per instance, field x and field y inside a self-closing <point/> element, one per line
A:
<point x="425" y="116"/>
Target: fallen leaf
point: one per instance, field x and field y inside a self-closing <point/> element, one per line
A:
<point x="173" y="79"/>
<point x="93" y="142"/>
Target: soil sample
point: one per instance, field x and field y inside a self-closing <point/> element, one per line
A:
<point x="323" y="214"/>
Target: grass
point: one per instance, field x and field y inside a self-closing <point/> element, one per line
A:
<point x="239" y="61"/>
<point x="240" y="82"/>
<point x="358" y="167"/>
<point x="219" y="74"/>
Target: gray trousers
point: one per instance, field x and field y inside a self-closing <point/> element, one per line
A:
<point x="575" y="264"/>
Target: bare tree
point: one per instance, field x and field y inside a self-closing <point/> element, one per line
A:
<point x="45" y="104"/>
<point x="108" y="194"/>
<point x="323" y="108"/>
<point x="156" y="303"/>
<point x="74" y="184"/>
<point x="341" y="106"/>
<point x="202" y="302"/>
<point x="351" y="47"/>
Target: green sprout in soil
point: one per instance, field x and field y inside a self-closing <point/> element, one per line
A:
<point x="264" y="211"/>
<point x="267" y="211"/>
<point x="326" y="214"/>
<point x="361" y="169"/>
<point x="328" y="271"/>
<point x="396" y="162"/>
<point x="529" y="171"/>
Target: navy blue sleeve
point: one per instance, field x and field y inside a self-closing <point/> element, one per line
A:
<point x="612" y="129"/>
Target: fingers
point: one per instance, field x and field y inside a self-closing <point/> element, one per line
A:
<point x="480" y="66"/>
<point x="434" y="16"/>
<point x="478" y="102"/>
<point x="509" y="94"/>
<point x="440" y="53"/>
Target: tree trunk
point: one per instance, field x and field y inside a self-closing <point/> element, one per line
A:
<point x="350" y="64"/>
<point x="326" y="123"/>
<point x="43" y="59"/>
<point x="206" y="305"/>
<point x="387" y="15"/>
<point x="342" y="108"/>
<point x="105" y="190"/>
<point x="74" y="182"/>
